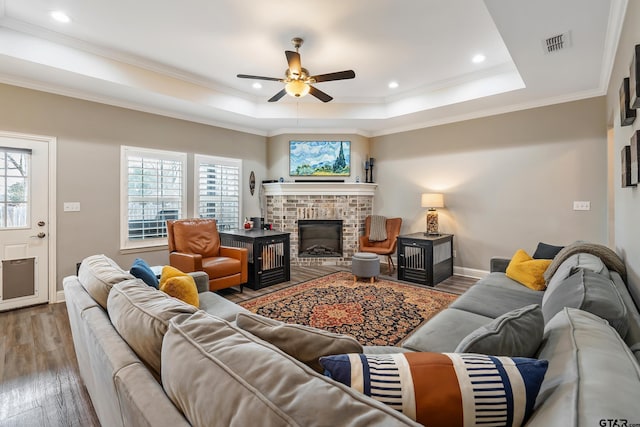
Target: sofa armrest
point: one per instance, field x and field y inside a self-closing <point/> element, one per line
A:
<point x="185" y="262"/>
<point x="202" y="280"/>
<point x="499" y="265"/>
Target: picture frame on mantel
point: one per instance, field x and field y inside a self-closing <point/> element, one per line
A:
<point x="625" y="169"/>
<point x="634" y="162"/>
<point x="634" y="79"/>
<point x="627" y="114"/>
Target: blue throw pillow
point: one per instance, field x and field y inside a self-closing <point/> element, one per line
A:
<point x="141" y="270"/>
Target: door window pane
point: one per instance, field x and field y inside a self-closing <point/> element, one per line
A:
<point x="14" y="188"/>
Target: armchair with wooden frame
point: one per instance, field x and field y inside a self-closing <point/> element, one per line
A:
<point x="384" y="247"/>
<point x="194" y="245"/>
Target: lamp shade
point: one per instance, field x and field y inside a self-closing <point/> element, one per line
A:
<point x="297" y="88"/>
<point x="432" y="200"/>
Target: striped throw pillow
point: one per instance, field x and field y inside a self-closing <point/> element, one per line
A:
<point x="378" y="228"/>
<point x="445" y="389"/>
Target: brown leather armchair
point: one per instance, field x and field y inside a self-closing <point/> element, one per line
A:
<point x="385" y="247"/>
<point x="194" y="245"/>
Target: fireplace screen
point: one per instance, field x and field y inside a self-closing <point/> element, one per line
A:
<point x="319" y="238"/>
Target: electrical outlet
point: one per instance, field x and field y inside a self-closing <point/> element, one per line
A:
<point x="454" y="253"/>
<point x="581" y="206"/>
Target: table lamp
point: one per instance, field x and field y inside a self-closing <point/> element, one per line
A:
<point x="432" y="201"/>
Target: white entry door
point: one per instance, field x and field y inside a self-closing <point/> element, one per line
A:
<point x="24" y="221"/>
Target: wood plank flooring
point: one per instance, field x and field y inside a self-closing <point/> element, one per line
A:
<point x="40" y="384"/>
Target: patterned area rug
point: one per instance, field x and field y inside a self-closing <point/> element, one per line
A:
<point x="382" y="313"/>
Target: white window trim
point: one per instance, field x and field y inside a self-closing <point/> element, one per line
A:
<point x="125" y="152"/>
<point x="229" y="161"/>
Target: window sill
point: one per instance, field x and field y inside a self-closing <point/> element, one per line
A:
<point x="154" y="248"/>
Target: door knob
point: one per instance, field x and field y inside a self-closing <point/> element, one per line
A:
<point x="40" y="235"/>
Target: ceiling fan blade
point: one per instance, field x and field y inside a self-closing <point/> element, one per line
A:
<point x="340" y="75"/>
<point x="247" y="76"/>
<point x="319" y="94"/>
<point x="293" y="59"/>
<point x="278" y="95"/>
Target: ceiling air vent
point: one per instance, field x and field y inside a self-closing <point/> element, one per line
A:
<point x="557" y="42"/>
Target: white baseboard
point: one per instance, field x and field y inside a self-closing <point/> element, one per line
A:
<point x="59" y="297"/>
<point x="470" y="272"/>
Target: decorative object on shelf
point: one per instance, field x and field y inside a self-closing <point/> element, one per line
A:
<point x="252" y="182"/>
<point x="366" y="170"/>
<point x="635" y="161"/>
<point x="626" y="167"/>
<point x="319" y="158"/>
<point x="432" y="201"/>
<point x="627" y="114"/>
<point x="371" y="161"/>
<point x="634" y="78"/>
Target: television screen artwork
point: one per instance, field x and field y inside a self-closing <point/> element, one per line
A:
<point x="319" y="158"/>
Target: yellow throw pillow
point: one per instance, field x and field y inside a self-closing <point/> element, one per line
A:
<point x="183" y="288"/>
<point x="168" y="272"/>
<point x="179" y="285"/>
<point x="528" y="271"/>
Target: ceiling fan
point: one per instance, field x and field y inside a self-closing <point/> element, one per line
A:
<point x="297" y="79"/>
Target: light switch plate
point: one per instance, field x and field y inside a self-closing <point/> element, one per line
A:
<point x="71" y="206"/>
<point x="581" y="206"/>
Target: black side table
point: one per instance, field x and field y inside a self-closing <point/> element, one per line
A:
<point x="425" y="259"/>
<point x="269" y="260"/>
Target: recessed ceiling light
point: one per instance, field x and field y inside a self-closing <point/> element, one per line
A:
<point x="60" y="16"/>
<point x="393" y="85"/>
<point x="478" y="58"/>
<point x="256" y="85"/>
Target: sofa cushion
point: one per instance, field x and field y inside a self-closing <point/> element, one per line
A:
<point x="304" y="343"/>
<point x="579" y="260"/>
<point x="142" y="270"/>
<point x="546" y="251"/>
<point x="98" y="274"/>
<point x="495" y="295"/>
<point x="219" y="306"/>
<point x="590" y="292"/>
<point x="225" y="376"/>
<point x="528" y="271"/>
<point x="141" y="316"/>
<point x="592" y="374"/>
<point x="515" y="334"/>
<point x="444" y="331"/>
<point x="445" y="389"/>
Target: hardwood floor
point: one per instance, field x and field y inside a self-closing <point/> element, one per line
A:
<point x="40" y="384"/>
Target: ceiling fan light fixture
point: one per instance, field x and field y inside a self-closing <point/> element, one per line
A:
<point x="297" y="88"/>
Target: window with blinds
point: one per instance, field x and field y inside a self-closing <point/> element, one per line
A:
<point x="155" y="191"/>
<point x="217" y="190"/>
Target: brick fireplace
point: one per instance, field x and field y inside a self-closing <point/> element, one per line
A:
<point x="286" y="203"/>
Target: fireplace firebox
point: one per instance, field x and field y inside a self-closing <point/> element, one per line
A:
<point x="318" y="238"/>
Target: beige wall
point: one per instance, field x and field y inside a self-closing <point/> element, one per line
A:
<point x="626" y="200"/>
<point x="278" y="153"/>
<point x="509" y="180"/>
<point x="89" y="137"/>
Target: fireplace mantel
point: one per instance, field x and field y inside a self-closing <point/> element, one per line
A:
<point x="319" y="188"/>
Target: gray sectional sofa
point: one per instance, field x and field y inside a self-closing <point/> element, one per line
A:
<point x="150" y="360"/>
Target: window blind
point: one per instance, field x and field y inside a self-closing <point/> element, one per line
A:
<point x="155" y="192"/>
<point x="218" y="190"/>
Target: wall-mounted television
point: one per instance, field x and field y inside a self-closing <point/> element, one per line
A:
<point x="319" y="158"/>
